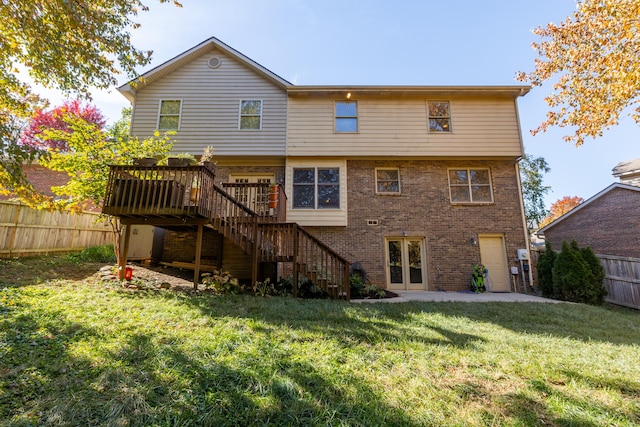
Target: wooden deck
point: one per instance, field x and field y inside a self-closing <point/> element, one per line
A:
<point x="251" y="216"/>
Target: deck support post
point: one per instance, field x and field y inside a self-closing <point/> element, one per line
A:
<point x="294" y="290"/>
<point x="254" y="263"/>
<point x="196" y="270"/>
<point x="124" y="252"/>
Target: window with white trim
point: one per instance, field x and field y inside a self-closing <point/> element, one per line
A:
<point x="346" y="116"/>
<point x="250" y="115"/>
<point x="439" y="116"/>
<point x="470" y="186"/>
<point x="169" y="114"/>
<point x="388" y="180"/>
<point x="316" y="188"/>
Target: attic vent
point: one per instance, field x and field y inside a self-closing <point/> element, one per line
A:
<point x="214" y="62"/>
<point x="372" y="222"/>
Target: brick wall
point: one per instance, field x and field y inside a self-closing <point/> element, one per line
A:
<point x="423" y="209"/>
<point x="181" y="246"/>
<point x="609" y="224"/>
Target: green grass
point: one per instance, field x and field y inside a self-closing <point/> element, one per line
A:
<point x="78" y="353"/>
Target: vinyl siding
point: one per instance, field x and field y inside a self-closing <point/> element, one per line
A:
<point x="210" y="108"/>
<point x="483" y="127"/>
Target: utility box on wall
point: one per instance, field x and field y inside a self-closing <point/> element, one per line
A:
<point x="523" y="255"/>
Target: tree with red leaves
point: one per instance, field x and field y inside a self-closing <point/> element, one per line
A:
<point x="34" y="134"/>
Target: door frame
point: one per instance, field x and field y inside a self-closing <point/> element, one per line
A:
<point x="504" y="257"/>
<point x="406" y="285"/>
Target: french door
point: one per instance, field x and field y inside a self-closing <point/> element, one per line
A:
<point x="254" y="197"/>
<point x="406" y="263"/>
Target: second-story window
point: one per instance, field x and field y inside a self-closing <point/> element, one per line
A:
<point x="346" y="116"/>
<point x="250" y="115"/>
<point x="439" y="116"/>
<point x="169" y="115"/>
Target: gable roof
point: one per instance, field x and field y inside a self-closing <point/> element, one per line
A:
<point x="588" y="202"/>
<point x="626" y="168"/>
<point x="129" y="89"/>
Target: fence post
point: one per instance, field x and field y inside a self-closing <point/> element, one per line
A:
<point x="15" y="228"/>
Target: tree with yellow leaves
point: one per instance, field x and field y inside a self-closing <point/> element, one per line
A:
<point x="594" y="54"/>
<point x="70" y="45"/>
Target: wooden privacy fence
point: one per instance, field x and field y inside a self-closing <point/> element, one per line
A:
<point x="25" y="231"/>
<point x="622" y="280"/>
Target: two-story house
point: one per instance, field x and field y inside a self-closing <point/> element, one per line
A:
<point x="416" y="183"/>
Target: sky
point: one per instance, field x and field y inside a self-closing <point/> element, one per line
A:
<point x="401" y="42"/>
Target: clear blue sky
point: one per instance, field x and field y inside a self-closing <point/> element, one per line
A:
<point x="419" y="42"/>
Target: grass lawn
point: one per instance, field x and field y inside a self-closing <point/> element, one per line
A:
<point x="76" y="352"/>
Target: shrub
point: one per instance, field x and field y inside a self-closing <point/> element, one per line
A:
<point x="575" y="278"/>
<point x="356" y="285"/>
<point x="545" y="271"/>
<point x="222" y="283"/>
<point x="104" y="253"/>
<point x="264" y="288"/>
<point x="597" y="291"/>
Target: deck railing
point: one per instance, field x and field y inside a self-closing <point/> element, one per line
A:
<point x="158" y="191"/>
<point x="267" y="200"/>
<point x="310" y="257"/>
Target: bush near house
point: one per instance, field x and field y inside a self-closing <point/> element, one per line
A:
<point x="576" y="274"/>
<point x="546" y="260"/>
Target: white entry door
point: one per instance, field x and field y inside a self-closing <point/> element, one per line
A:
<point x="494" y="257"/>
<point x="406" y="263"/>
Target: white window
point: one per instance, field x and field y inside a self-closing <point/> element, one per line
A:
<point x="387" y="180"/>
<point x="470" y="186"/>
<point x="346" y="116"/>
<point x="439" y="116"/>
<point x="316" y="188"/>
<point x="169" y="115"/>
<point x="250" y="115"/>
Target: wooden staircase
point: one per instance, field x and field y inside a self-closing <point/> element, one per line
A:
<point x="189" y="197"/>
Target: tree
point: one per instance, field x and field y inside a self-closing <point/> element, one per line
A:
<point x="561" y="207"/>
<point x="594" y="54"/>
<point x="86" y="158"/>
<point x="533" y="191"/>
<point x="54" y="119"/>
<point x="72" y="46"/>
<point x="120" y="129"/>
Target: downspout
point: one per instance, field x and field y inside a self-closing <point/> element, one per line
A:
<point x="520" y="196"/>
<point x="524" y="225"/>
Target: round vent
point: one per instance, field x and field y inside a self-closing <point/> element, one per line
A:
<point x="214" y="62"/>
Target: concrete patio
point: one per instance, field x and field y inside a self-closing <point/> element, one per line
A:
<point x="406" y="296"/>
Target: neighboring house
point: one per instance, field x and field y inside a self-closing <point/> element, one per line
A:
<point x="42" y="179"/>
<point x="416" y="183"/>
<point x="608" y="222"/>
<point x="628" y="172"/>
